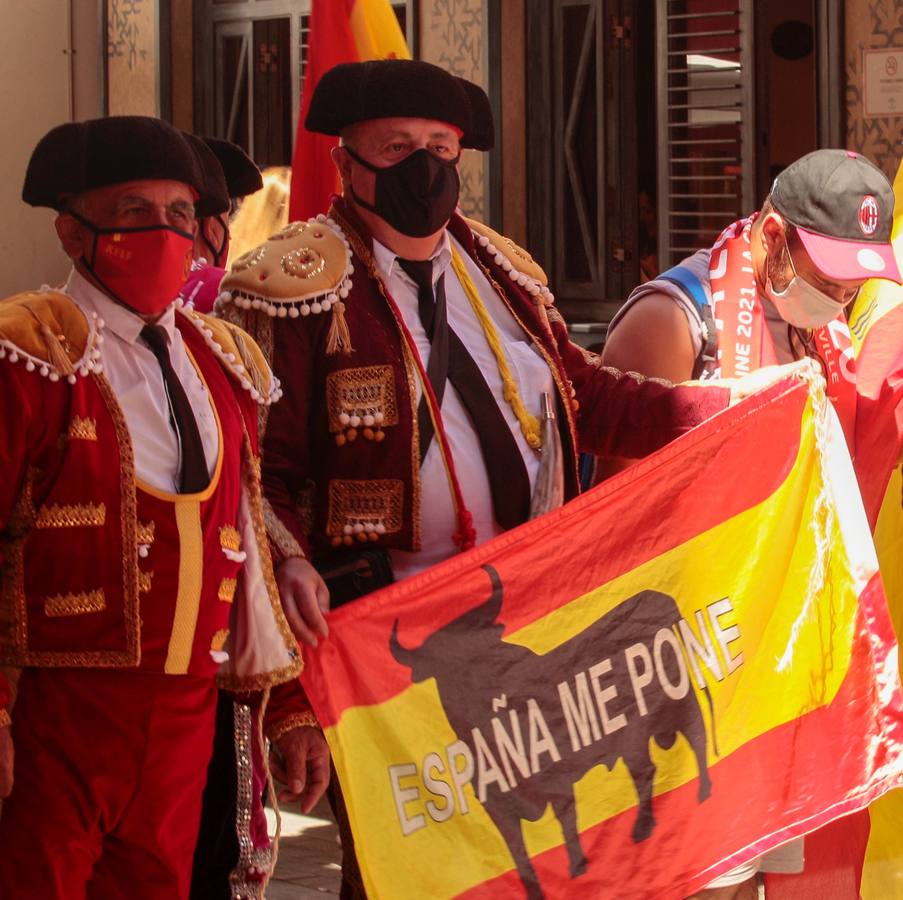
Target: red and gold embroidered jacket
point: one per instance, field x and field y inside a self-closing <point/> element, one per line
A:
<point x="97" y="569"/>
<point x="340" y="450"/>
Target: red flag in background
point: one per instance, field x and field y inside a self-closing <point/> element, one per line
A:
<point x="340" y="31"/>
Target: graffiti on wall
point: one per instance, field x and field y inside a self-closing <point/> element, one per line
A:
<point x="124" y="28"/>
<point x="131" y="57"/>
<point x="453" y="36"/>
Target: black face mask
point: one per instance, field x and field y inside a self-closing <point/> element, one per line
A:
<point x="416" y="196"/>
<point x="217" y="256"/>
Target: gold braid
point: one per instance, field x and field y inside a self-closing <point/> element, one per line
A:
<point x="529" y="424"/>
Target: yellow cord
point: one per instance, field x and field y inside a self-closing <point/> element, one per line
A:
<point x="529" y="424"/>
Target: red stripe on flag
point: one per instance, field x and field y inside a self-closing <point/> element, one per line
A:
<point x="330" y="42"/>
<point x="763" y="438"/>
<point x="733" y="818"/>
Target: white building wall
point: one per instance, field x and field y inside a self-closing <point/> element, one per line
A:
<point x="42" y="83"/>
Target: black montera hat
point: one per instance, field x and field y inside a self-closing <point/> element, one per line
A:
<point x="843" y="208"/>
<point x="214" y="199"/>
<point x="380" y="88"/>
<point x="242" y="175"/>
<point x="81" y="156"/>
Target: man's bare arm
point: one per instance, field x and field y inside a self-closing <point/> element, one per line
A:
<point x="653" y="339"/>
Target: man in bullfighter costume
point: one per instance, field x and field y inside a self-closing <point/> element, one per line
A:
<point x="235" y="177"/>
<point x="414" y="346"/>
<point x="134" y="565"/>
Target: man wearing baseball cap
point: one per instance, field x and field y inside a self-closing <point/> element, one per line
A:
<point x="774" y="287"/>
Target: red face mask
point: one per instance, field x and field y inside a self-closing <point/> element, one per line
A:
<point x="142" y="268"/>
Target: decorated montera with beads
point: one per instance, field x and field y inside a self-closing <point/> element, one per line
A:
<point x="341" y="451"/>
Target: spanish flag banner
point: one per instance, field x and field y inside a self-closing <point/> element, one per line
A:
<point x="876" y="326"/>
<point x="676" y="672"/>
<point x="341" y="31"/>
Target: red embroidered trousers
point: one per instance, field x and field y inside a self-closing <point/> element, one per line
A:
<point x="109" y="770"/>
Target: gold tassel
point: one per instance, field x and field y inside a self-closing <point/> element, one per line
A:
<point x="251" y="367"/>
<point x="57" y="355"/>
<point x="339" y="338"/>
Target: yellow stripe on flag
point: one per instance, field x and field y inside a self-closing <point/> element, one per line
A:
<point x="376" y="31"/>
<point x="882" y="876"/>
<point x="878" y="296"/>
<point x="753" y="568"/>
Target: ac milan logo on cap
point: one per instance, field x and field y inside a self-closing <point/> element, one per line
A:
<point x="868" y="215"/>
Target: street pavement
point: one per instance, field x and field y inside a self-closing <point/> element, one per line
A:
<point x="309" y="856"/>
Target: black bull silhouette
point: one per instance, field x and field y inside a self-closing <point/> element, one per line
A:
<point x="473" y="666"/>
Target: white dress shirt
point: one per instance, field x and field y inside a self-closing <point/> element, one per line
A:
<point x="529" y="369"/>
<point x="137" y="382"/>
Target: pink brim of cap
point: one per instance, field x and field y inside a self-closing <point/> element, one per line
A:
<point x="844" y="260"/>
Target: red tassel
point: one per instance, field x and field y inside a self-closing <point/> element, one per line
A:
<point x="466" y="536"/>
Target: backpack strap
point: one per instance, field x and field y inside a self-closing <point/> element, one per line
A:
<point x="691" y="287"/>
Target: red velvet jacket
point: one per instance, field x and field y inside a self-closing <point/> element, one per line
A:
<point x="319" y="478"/>
<point x="98" y="570"/>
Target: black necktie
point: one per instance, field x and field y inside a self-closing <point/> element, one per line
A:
<point x="449" y="359"/>
<point x="193" y="477"/>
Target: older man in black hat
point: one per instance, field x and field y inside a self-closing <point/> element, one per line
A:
<point x="130" y="568"/>
<point x="415" y="347"/>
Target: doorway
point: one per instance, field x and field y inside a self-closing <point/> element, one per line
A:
<point x="652" y="126"/>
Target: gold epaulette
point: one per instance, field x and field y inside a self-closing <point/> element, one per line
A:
<point x="303" y="270"/>
<point x="517" y="262"/>
<point x="49" y="334"/>
<point x="239" y="354"/>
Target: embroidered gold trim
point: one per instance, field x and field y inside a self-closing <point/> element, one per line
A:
<point x="244" y="735"/>
<point x="75" y="604"/>
<point x="294" y="669"/>
<point x="289" y="723"/>
<point x="5" y="720"/>
<point x="83" y="429"/>
<point x="249" y="259"/>
<point x="590" y="358"/>
<point x="305" y="262"/>
<point x="13" y="628"/>
<point x="256" y="468"/>
<point x="144" y="581"/>
<point x="361" y="397"/>
<point x="410" y="368"/>
<point x="145" y="532"/>
<point x="76" y="516"/>
<point x="283" y="540"/>
<point x="229" y="538"/>
<point x="518" y="251"/>
<point x="638" y="377"/>
<point x="260" y="327"/>
<point x="219" y="639"/>
<point x="372" y="507"/>
<point x="129" y="516"/>
<point x="226" y="593"/>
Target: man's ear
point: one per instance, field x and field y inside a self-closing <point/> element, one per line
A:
<point x="73" y="238"/>
<point x="342" y="161"/>
<point x="773" y="232"/>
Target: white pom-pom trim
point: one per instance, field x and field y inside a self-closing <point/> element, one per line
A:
<point x="293" y="307"/>
<point x="88" y="363"/>
<point x="530" y="285"/>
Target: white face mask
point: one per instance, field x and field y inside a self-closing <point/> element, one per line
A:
<point x="801" y="304"/>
